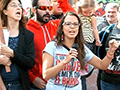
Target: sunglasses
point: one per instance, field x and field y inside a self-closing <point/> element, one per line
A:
<point x="44" y="7"/>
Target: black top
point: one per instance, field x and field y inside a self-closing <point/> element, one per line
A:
<point x="112" y="74"/>
<point x="13" y="76"/>
<point x="102" y="25"/>
<point x="24" y="56"/>
<point x="53" y="17"/>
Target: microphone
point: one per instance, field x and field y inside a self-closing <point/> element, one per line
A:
<point x="72" y="61"/>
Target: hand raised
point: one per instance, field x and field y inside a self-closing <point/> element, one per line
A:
<point x="113" y="45"/>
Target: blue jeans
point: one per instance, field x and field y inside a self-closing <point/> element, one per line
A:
<point x="13" y="86"/>
<point x="36" y="89"/>
<point x="109" y="86"/>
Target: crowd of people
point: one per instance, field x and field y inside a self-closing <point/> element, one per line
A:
<point x="59" y="46"/>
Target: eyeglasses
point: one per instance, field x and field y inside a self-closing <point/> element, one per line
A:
<point x="69" y="24"/>
<point x="15" y="5"/>
<point x="44" y="7"/>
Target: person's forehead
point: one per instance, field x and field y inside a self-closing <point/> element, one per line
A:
<point x="68" y="17"/>
<point x="87" y="9"/>
<point x="53" y="0"/>
<point x="111" y="9"/>
<point x="44" y="2"/>
<point x="14" y="1"/>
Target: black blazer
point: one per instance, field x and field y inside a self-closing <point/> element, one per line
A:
<point x="24" y="56"/>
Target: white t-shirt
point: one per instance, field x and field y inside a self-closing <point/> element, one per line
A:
<point x="60" y="80"/>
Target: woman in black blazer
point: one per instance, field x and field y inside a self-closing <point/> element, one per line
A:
<point x="19" y="55"/>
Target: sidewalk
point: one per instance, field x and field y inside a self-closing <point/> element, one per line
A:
<point x="91" y="81"/>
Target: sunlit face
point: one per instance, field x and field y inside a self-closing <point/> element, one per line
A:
<point x="70" y="27"/>
<point x="87" y="11"/>
<point x="14" y="10"/>
<point x="56" y="9"/>
<point x="111" y="15"/>
<point x="43" y="15"/>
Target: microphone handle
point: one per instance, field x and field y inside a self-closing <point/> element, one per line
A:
<point x="72" y="63"/>
<point x="75" y="46"/>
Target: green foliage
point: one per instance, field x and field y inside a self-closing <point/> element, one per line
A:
<point x="104" y="1"/>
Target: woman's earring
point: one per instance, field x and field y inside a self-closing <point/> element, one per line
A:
<point x="62" y="37"/>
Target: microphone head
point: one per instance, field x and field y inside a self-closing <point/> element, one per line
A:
<point x="75" y="46"/>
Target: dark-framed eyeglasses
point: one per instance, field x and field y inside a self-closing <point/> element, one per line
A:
<point x="44" y="7"/>
<point x="69" y="24"/>
<point x="15" y="5"/>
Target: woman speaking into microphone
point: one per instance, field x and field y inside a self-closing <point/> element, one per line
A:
<point x="58" y="56"/>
